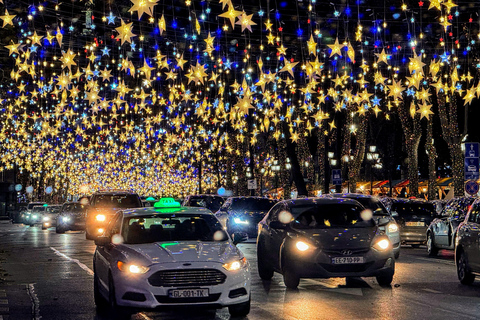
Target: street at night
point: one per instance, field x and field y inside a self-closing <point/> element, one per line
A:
<point x="49" y="276"/>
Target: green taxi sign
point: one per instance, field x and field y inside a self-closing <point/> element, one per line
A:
<point x="150" y="199"/>
<point x="167" y="203"/>
<point x="45" y="205"/>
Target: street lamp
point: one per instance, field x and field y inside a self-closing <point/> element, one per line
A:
<point x="372" y="157"/>
<point x="262" y="172"/>
<point x="276" y="168"/>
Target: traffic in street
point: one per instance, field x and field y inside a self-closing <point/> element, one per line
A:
<point x="46" y="275"/>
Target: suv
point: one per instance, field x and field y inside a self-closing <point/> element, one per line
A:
<point x="71" y="217"/>
<point x="103" y="205"/>
<point x="467" y="250"/>
<point x="413" y="217"/>
<point x="442" y="231"/>
<point x="24" y="217"/>
<point x="49" y="216"/>
<point x="210" y="201"/>
<point x="379" y="211"/>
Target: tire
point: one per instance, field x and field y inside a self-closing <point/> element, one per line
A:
<point x="100" y="301"/>
<point x="116" y="312"/>
<point x="431" y="249"/>
<point x="463" y="271"/>
<point x="385" y="281"/>
<point x="397" y="254"/>
<point x="239" y="310"/>
<point x="44" y="228"/>
<point x="59" y="230"/>
<point x="264" y="271"/>
<point x="291" y="278"/>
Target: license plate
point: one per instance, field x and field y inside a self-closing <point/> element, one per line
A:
<point x="415" y="224"/>
<point x="347" y="260"/>
<point x="188" y="293"/>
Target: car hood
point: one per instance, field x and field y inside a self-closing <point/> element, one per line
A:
<point x="342" y="238"/>
<point x="182" y="251"/>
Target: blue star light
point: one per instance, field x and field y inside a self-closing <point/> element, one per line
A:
<point x="410" y="92"/>
<point x="376" y="101"/>
<point x="458" y="86"/>
<point x="105" y="51"/>
<point x="260" y="13"/>
<point x="33" y="48"/>
<point x="132" y="46"/>
<point x="111" y="18"/>
<point x="228" y="64"/>
<point x="445" y="57"/>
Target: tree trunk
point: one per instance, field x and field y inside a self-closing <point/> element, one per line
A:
<point x="432" y="156"/>
<point x="295" y="165"/>
<point x="321" y="156"/>
<point x="412" y="154"/>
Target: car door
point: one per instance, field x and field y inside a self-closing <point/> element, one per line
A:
<point x="103" y="254"/>
<point x="457" y="217"/>
<point x="276" y="236"/>
<point x="470" y="241"/>
<point x="441" y="225"/>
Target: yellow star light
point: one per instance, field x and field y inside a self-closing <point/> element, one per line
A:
<point x="7" y="18"/>
<point x="231" y="14"/>
<point x="288" y="67"/>
<point x="162" y="25"/>
<point x="396" y="90"/>
<point x="246" y="22"/>
<point x="382" y="57"/>
<point x="67" y="59"/>
<point x="125" y="33"/>
<point x="270" y="38"/>
<point x="336" y="47"/>
<point x="13" y="48"/>
<point x="143" y="6"/>
<point x="424" y="110"/>
<point x="312" y="46"/>
<point x="435" y="4"/>
<point x="449" y="5"/>
<point x="268" y="25"/>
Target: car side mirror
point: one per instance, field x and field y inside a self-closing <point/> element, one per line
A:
<point x="278" y="225"/>
<point x="238" y="237"/>
<point x="383" y="222"/>
<point x="102" y="241"/>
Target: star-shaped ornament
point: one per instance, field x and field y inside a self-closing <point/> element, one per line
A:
<point x="125" y="32"/>
<point x="143" y="6"/>
<point x="7" y="18"/>
<point x="245" y="21"/>
<point x="232" y="15"/>
<point x="336" y="47"/>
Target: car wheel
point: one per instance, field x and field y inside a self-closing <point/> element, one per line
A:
<point x="32" y="225"/>
<point x="116" y="312"/>
<point x="291" y="278"/>
<point x="431" y="249"/>
<point x="59" y="230"/>
<point x="264" y="271"/>
<point x="100" y="301"/>
<point x="239" y="310"/>
<point x="385" y="281"/>
<point x="397" y="254"/>
<point x="463" y="271"/>
<point x="44" y="228"/>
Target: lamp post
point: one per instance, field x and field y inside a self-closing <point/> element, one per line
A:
<point x="262" y="172"/>
<point x="372" y="158"/>
<point x="276" y="168"/>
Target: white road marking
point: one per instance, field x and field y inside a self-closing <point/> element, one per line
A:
<point x="447" y="262"/>
<point x="81" y="265"/>
<point x="431" y="291"/>
<point x="35" y="301"/>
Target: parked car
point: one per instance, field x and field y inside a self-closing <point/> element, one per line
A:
<point x="169" y="256"/>
<point x="379" y="211"/>
<point x="441" y="233"/>
<point x="323" y="238"/>
<point x="35" y="215"/>
<point x="242" y="214"/>
<point x="467" y="250"/>
<point x="103" y="206"/>
<point x="71" y="217"/>
<point x="210" y="201"/>
<point x="26" y="213"/>
<point x="49" y="216"/>
<point x="413" y="217"/>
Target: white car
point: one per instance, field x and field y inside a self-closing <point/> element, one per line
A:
<point x="169" y="256"/>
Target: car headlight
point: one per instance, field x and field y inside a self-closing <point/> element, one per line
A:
<point x="46" y="218"/>
<point x="34" y="216"/>
<point x="100" y="230"/>
<point x="381" y="245"/>
<point x="392" y="227"/>
<point x="240" y="221"/>
<point x="65" y="219"/>
<point x="100" y="217"/>
<point x="235" y="265"/>
<point x="302" y="246"/>
<point x="131" y="268"/>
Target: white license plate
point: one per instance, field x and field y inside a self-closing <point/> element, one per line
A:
<point x="415" y="224"/>
<point x="347" y="260"/>
<point x="188" y="293"/>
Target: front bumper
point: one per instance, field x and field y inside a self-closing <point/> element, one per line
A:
<point x="71" y="223"/>
<point x="48" y="224"/>
<point x="129" y="288"/>
<point x="318" y="264"/>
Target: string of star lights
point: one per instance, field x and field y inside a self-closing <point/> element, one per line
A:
<point x="143" y="95"/>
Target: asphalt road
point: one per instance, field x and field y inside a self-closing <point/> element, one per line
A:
<point x="44" y="275"/>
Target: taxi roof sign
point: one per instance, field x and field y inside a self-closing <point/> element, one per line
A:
<point x="45" y="205"/>
<point x="167" y="203"/>
<point x="150" y="199"/>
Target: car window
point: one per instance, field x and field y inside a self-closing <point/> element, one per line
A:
<point x="325" y="216"/>
<point x="117" y="201"/>
<point x="273" y="213"/>
<point x="376" y="206"/>
<point x="175" y="227"/>
<point x="407" y="210"/>
<point x="474" y="216"/>
<point x="252" y="204"/>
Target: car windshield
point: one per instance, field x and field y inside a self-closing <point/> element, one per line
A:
<point x="407" y="210"/>
<point x="325" y="216"/>
<point x="53" y="209"/>
<point x="172" y="227"/>
<point x="117" y="201"/>
<point x="31" y="205"/>
<point x="252" y="204"/>
<point x="74" y="207"/>
<point x="210" y="202"/>
<point x="374" y="205"/>
<point x="38" y="209"/>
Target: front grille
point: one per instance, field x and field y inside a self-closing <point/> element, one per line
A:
<point x="167" y="299"/>
<point x="342" y="268"/>
<point x="183" y="278"/>
<point x="354" y="251"/>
